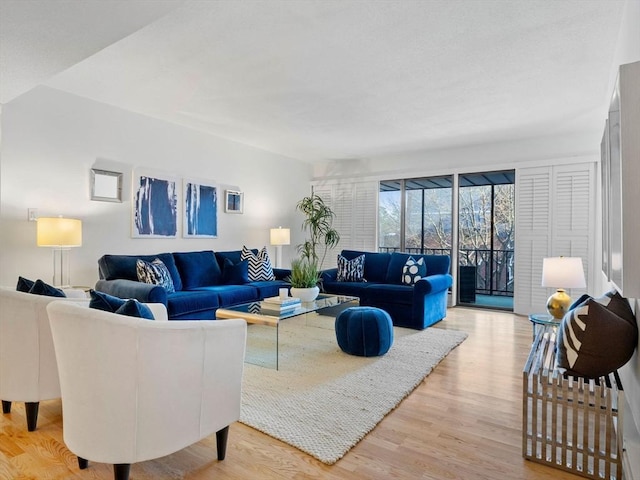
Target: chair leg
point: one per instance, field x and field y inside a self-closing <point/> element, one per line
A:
<point x="6" y="406"/>
<point x="32" y="414"/>
<point x="221" y="442"/>
<point x="83" y="463"/>
<point x="121" y="471"/>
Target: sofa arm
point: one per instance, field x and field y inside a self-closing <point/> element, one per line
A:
<point x="329" y="275"/>
<point x="433" y="284"/>
<point x="143" y="292"/>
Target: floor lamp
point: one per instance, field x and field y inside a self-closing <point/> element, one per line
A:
<point x="279" y="237"/>
<point x="60" y="234"/>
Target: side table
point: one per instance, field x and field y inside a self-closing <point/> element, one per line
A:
<point x="543" y="320"/>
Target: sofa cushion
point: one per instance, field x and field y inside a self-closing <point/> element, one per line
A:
<point x="375" y="264"/>
<point x="24" y="284"/>
<point x="351" y="270"/>
<point x="41" y="288"/>
<point x="413" y="271"/>
<point x="385" y="293"/>
<point x="597" y="337"/>
<point x="187" y="303"/>
<point x="235" y="273"/>
<point x="198" y="269"/>
<point x="260" y="268"/>
<point x="113" y="267"/>
<point x="232" y="294"/>
<point x="155" y="273"/>
<point x="269" y="289"/>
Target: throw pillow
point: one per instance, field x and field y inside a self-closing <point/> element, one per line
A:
<point x="133" y="308"/>
<point x="155" y="273"/>
<point x="260" y="269"/>
<point x="24" y="284"/>
<point x="351" y="270"/>
<point x="104" y="301"/>
<point x="597" y="337"/>
<point x="41" y="288"/>
<point x="413" y="271"/>
<point x="109" y="303"/>
<point x="235" y="273"/>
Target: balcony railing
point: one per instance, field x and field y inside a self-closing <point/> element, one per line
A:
<point x="494" y="268"/>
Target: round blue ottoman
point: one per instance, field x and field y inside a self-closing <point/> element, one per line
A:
<point x="364" y="331"/>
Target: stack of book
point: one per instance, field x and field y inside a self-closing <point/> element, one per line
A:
<point x="281" y="305"/>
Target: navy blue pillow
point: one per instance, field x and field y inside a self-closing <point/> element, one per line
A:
<point x="109" y="303"/>
<point x="235" y="274"/>
<point x="41" y="288"/>
<point x="134" y="308"/>
<point x="24" y="284"/>
<point x="104" y="301"/>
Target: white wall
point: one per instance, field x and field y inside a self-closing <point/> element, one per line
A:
<point x="628" y="51"/>
<point x="51" y="140"/>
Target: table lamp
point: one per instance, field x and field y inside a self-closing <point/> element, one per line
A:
<point x="561" y="273"/>
<point x="280" y="236"/>
<point x="61" y="234"/>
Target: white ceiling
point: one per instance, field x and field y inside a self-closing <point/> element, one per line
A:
<point x="320" y="80"/>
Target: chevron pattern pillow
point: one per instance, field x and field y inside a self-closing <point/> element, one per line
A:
<point x="260" y="269"/>
<point x="351" y="270"/>
<point x="155" y="273"/>
<point x="597" y="336"/>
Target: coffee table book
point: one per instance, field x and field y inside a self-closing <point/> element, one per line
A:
<point x="282" y="301"/>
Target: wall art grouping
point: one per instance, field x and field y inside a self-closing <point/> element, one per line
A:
<point x="161" y="201"/>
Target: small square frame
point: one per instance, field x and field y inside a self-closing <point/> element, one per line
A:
<point x="233" y="201"/>
<point x="106" y="186"/>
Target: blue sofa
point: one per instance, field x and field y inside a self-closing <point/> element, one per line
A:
<point x="417" y="306"/>
<point x="202" y="285"/>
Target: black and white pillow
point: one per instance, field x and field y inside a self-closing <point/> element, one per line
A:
<point x="413" y="270"/>
<point x="351" y="270"/>
<point x="260" y="269"/>
<point x="596" y="337"/>
<point x="155" y="273"/>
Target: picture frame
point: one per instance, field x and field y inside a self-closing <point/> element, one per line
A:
<point x="200" y="208"/>
<point x="106" y="186"/>
<point x="154" y="202"/>
<point x="234" y="201"/>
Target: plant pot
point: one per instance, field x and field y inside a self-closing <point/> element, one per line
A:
<point x="305" y="294"/>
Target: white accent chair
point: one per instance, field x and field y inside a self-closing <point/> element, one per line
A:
<point x="28" y="370"/>
<point x="134" y="389"/>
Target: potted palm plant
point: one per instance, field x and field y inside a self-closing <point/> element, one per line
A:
<point x="318" y="222"/>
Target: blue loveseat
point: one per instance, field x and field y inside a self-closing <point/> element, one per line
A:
<point x="417" y="306"/>
<point x="201" y="282"/>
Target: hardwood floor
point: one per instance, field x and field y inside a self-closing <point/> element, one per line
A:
<point x="462" y="422"/>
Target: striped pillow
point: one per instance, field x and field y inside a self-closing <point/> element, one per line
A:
<point x="260" y="269"/>
<point x="351" y="270"/>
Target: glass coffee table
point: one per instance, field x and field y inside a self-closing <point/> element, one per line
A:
<point x="264" y="323"/>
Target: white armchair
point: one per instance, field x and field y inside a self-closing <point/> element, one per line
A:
<point x="134" y="389"/>
<point x="28" y="370"/>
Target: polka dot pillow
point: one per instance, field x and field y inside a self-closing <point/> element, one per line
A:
<point x="413" y="271"/>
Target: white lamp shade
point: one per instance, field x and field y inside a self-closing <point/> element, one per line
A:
<point x="563" y="272"/>
<point x="59" y="232"/>
<point x="280" y="236"/>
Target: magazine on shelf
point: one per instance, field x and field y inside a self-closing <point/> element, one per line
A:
<point x="282" y="302"/>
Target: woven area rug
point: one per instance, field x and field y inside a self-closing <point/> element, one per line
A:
<point x="324" y="401"/>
